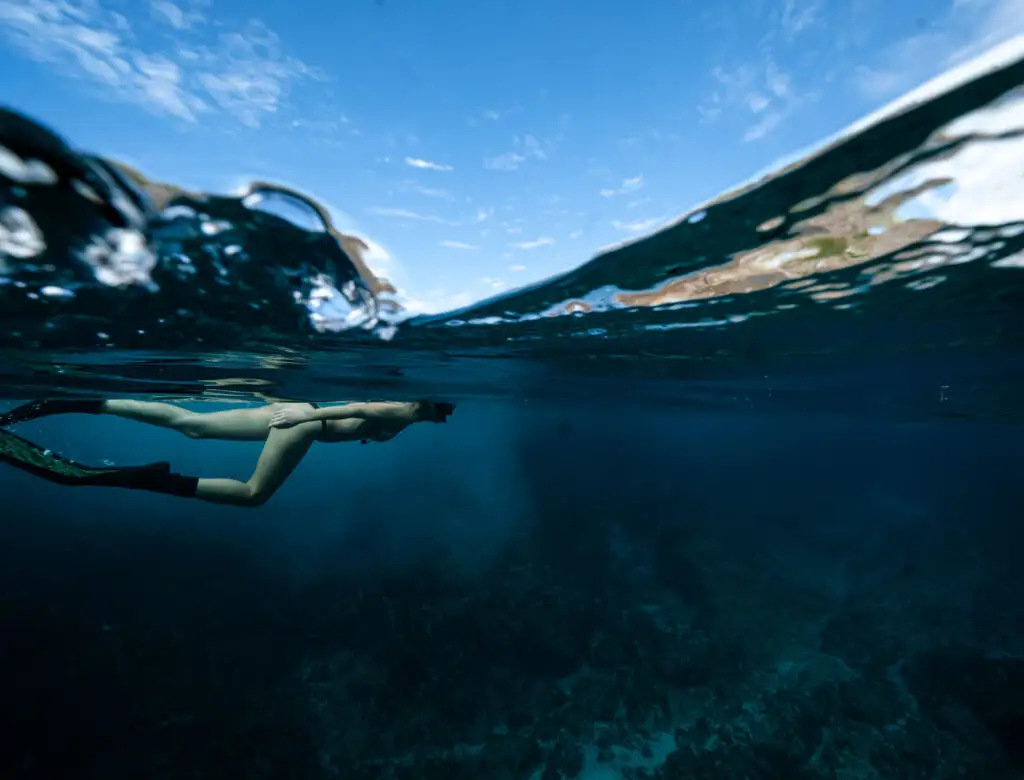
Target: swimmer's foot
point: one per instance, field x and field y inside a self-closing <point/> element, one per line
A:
<point x="33" y="410"/>
<point x="154" y="477"/>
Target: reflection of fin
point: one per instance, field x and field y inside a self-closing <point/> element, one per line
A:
<point x="48" y="465"/>
<point x="33" y="410"/>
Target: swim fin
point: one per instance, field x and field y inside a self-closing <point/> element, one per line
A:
<point x="33" y="410"/>
<point x="53" y="467"/>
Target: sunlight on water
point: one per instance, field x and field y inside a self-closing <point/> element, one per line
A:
<point x="854" y="247"/>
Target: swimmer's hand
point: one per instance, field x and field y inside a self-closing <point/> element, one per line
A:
<point x="290" y="416"/>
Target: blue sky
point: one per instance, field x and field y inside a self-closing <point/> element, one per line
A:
<point x="479" y="145"/>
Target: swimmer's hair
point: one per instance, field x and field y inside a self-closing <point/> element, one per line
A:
<point x="436" y="411"/>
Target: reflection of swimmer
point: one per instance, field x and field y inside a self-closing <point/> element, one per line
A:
<point x="287" y="430"/>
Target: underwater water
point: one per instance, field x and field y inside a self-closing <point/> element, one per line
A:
<point x="738" y="500"/>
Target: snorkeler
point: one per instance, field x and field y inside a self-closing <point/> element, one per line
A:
<point x="287" y="430"/>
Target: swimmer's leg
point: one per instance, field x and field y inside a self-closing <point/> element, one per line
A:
<point x="251" y="424"/>
<point x="284" y="450"/>
<point x="232" y="424"/>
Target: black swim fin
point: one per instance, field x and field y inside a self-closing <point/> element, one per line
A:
<point x="53" y="467"/>
<point x="154" y="478"/>
<point x="33" y="410"/>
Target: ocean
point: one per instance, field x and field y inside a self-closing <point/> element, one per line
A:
<point x="741" y="499"/>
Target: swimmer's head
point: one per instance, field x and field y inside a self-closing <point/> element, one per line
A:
<point x="435" y="411"/>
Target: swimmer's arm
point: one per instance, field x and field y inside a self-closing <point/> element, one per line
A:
<point x="379" y="411"/>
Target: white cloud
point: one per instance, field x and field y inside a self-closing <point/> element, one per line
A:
<point x="524" y="148"/>
<point x="494" y="284"/>
<point x="517" y="268"/>
<point x="799" y="15"/>
<point x="429" y="192"/>
<point x="408" y="214"/>
<point x="437" y="300"/>
<point x="490" y="115"/>
<point x="508" y="161"/>
<point x="416" y="162"/>
<point x="413" y="301"/>
<point x="482" y="215"/>
<point x="970" y="27"/>
<point x="375" y="253"/>
<point x="203" y="69"/>
<point x="326" y="127"/>
<point x="174" y="15"/>
<point x="433" y="192"/>
<point x="757" y="102"/>
<point x="628" y="185"/>
<point x="638" y="225"/>
<point x="998" y="56"/>
<point x="761" y="94"/>
<point x="763" y="127"/>
<point x="537" y="242"/>
<point x="458" y="245"/>
<point x="576" y="234"/>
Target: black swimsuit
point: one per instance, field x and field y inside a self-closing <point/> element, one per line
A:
<point x="323" y="429"/>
